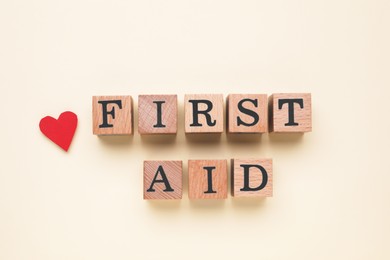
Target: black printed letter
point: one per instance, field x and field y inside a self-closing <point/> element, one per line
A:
<point x="248" y="112"/>
<point x="246" y="177"/>
<point x="105" y="113"/>
<point x="290" y="103"/>
<point x="196" y="112"/>
<point x="163" y="179"/>
<point x="209" y="179"/>
<point x="159" y="114"/>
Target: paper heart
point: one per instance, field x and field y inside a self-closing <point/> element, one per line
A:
<point x="61" y="130"/>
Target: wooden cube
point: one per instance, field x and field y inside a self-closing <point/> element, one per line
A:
<point x="163" y="180"/>
<point x="251" y="178"/>
<point x="203" y="113"/>
<point x="290" y="113"/>
<point x="247" y="113"/>
<point x="157" y="114"/>
<point x="207" y="179"/>
<point x="112" y="115"/>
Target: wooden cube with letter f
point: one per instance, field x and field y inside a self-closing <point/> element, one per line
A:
<point x="112" y="115"/>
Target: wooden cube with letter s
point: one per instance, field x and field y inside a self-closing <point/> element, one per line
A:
<point x="247" y="113"/>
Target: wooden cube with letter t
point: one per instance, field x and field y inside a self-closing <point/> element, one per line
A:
<point x="112" y="115"/>
<point x="207" y="179"/>
<point x="157" y="114"/>
<point x="203" y="113"/>
<point x="290" y="113"/>
<point x="163" y="180"/>
<point x="247" y="113"/>
<point x="251" y="177"/>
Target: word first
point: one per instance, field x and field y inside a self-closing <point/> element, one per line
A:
<point x="203" y="113"/>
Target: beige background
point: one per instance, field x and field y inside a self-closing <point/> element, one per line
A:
<point x="331" y="187"/>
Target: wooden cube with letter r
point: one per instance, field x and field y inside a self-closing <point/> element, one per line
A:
<point x="203" y="113"/>
<point x="251" y="178"/>
<point x="163" y="180"/>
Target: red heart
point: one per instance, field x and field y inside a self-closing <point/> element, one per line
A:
<point x="60" y="131"/>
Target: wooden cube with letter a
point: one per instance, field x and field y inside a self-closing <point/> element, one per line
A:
<point x="290" y="113"/>
<point x="207" y="179"/>
<point x="163" y="180"/>
<point x="251" y="177"/>
<point x="112" y="115"/>
<point x="247" y="113"/>
<point x="203" y="113"/>
<point x="157" y="114"/>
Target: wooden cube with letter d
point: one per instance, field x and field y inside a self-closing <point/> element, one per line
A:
<point x="251" y="178"/>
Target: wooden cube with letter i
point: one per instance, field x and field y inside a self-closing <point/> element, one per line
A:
<point x="207" y="179"/>
<point x="157" y="114"/>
